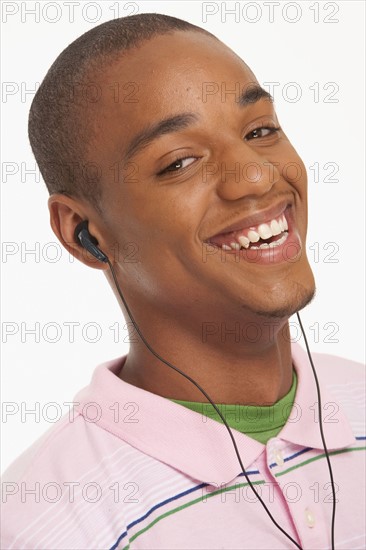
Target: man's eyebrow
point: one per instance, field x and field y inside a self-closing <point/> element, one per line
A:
<point x="162" y="127"/>
<point x="251" y="95"/>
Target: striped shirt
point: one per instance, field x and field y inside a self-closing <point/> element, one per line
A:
<point x="129" y="469"/>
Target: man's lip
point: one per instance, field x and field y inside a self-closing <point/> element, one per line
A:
<point x="255" y="219"/>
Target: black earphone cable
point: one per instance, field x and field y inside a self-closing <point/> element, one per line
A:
<point x="83" y="237"/>
<point x="322" y="434"/>
<point x="224" y="421"/>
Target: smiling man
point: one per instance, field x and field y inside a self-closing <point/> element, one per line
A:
<point x="160" y="139"/>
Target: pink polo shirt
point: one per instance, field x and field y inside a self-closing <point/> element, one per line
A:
<point x="133" y="470"/>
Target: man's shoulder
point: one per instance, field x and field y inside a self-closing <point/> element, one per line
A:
<point x="332" y="368"/>
<point x="62" y="475"/>
<point x="340" y="372"/>
<point x="64" y="451"/>
<point x="30" y="458"/>
<point x="342" y="384"/>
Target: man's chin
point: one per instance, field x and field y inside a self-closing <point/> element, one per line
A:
<point x="301" y="298"/>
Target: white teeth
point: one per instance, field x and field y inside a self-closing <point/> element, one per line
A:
<point x="279" y="242"/>
<point x="244" y="241"/>
<point x="267" y="230"/>
<point x="283" y="223"/>
<point x="264" y="231"/>
<point x="273" y="244"/>
<point x="275" y="228"/>
<point x="253" y="236"/>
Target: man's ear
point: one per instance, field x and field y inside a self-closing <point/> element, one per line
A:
<point x="65" y="214"/>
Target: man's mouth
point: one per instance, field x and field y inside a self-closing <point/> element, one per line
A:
<point x="269" y="234"/>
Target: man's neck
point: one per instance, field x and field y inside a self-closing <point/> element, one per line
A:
<point x="229" y="373"/>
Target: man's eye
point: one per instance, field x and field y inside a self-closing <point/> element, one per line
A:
<point x="177" y="165"/>
<point x="262" y="132"/>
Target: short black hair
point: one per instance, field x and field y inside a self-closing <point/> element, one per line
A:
<point x="60" y="126"/>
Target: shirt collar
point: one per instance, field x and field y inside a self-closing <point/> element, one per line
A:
<point x="302" y="428"/>
<point x="195" y="444"/>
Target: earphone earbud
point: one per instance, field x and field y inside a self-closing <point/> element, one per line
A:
<point x="87" y="241"/>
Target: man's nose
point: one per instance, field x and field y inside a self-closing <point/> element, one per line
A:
<point x="243" y="170"/>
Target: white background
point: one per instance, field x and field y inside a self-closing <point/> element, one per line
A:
<point x="37" y="289"/>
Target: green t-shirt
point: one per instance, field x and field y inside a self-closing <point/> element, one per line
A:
<point x="260" y="423"/>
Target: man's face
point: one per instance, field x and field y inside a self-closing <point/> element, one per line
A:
<point x="170" y="199"/>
